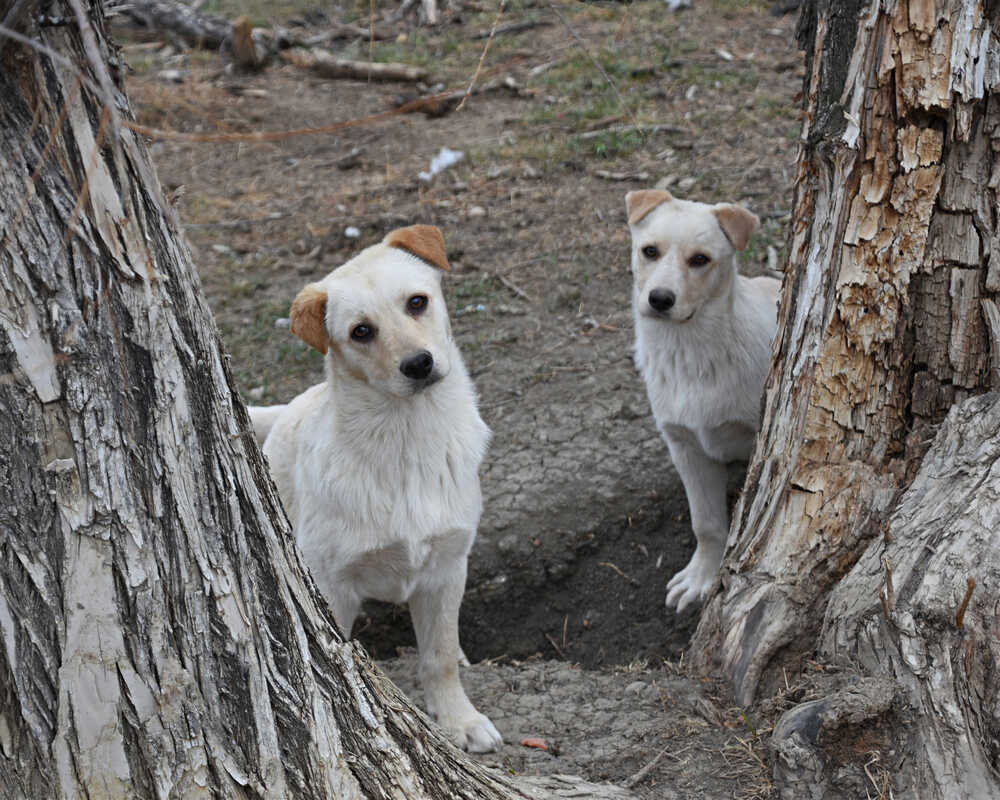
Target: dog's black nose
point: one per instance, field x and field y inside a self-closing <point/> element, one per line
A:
<point x="417" y="367"/>
<point x="662" y="299"/>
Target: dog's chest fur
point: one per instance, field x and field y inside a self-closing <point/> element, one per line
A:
<point x="389" y="490"/>
<point x="707" y="375"/>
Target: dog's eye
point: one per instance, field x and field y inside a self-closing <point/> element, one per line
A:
<point x="698" y="260"/>
<point x="362" y="333"/>
<point x="417" y="303"/>
<point x="651" y="251"/>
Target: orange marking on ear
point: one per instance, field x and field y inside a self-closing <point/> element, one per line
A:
<point x="737" y="223"/>
<point x="638" y="204"/>
<point x="308" y="317"/>
<point x="424" y="241"/>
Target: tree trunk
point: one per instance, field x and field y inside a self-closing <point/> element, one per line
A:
<point x="158" y="635"/>
<point x="887" y="324"/>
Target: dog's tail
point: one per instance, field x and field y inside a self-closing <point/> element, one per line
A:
<point x="263" y="418"/>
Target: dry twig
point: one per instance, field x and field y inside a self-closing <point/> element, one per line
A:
<point x="482" y="57"/>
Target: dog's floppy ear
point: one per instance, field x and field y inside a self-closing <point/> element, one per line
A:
<point x="423" y="241"/>
<point x="736" y="222"/>
<point x="638" y="204"/>
<point x="309" y="317"/>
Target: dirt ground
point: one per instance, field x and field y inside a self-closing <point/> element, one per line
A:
<point x="585" y="519"/>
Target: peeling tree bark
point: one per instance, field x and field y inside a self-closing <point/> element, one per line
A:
<point x="887" y="324"/>
<point x="158" y="635"/>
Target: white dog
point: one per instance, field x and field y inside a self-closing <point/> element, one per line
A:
<point x="702" y="343"/>
<point x="377" y="467"/>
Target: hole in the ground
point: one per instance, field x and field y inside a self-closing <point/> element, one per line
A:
<point x="595" y="598"/>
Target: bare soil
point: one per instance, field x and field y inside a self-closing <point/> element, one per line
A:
<point x="585" y="519"/>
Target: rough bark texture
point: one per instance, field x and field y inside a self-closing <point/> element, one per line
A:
<point x="928" y="628"/>
<point x="887" y="322"/>
<point x="881" y="328"/>
<point x="158" y="636"/>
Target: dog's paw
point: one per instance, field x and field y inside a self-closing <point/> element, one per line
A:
<point x="692" y="583"/>
<point x="475" y="733"/>
<point x="686" y="592"/>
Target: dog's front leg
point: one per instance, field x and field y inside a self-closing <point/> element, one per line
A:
<point x="434" y="610"/>
<point x="704" y="481"/>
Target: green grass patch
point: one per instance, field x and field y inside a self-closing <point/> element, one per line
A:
<point x="608" y="145"/>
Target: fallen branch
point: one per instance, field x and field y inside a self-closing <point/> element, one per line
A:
<point x="437" y="105"/>
<point x="512" y="286"/>
<point x="642" y="773"/>
<point x="621" y="176"/>
<point x="193" y="28"/>
<point x="346" y="30"/>
<point x="641" y="129"/>
<point x="513" y="27"/>
<point x="328" y="66"/>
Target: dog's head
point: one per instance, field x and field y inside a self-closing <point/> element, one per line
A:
<point x="682" y="252"/>
<point x="380" y="318"/>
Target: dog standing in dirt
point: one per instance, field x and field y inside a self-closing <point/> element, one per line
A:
<point x="703" y="338"/>
<point x="378" y="467"/>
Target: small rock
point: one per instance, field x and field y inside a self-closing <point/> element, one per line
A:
<point x="686" y="183"/>
<point x="283" y="323"/>
<point x="171" y="75"/>
<point x="223" y="249"/>
<point x="477" y="211"/>
<point x="256" y="393"/>
<point x="351" y="232"/>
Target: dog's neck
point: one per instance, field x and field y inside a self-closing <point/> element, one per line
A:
<point x="383" y="435"/>
<point x="354" y="399"/>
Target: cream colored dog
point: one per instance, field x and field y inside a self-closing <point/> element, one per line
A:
<point x="378" y="467"/>
<point x="703" y="344"/>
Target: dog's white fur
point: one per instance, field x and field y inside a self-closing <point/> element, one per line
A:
<point x="378" y="470"/>
<point x="704" y="358"/>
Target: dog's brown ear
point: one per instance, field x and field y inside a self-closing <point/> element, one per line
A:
<point x="638" y="204"/>
<point x="309" y="317"/>
<point x="423" y="241"/>
<point x="737" y="223"/>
